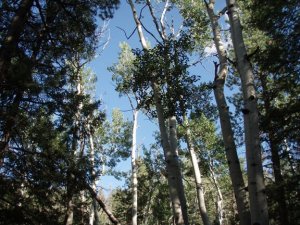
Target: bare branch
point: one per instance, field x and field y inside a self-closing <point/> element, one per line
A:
<point x="179" y="31"/>
<point x="155" y="20"/>
<point x="127" y="37"/>
<point x="151" y="34"/>
<point x="222" y="12"/>
<point x="101" y="203"/>
<point x="162" y="18"/>
<point x="138" y="24"/>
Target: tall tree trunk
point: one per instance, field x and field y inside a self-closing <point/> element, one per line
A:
<point x="134" y="169"/>
<point x="256" y="186"/>
<point x="11" y="40"/>
<point x="280" y="195"/>
<point x="226" y="127"/>
<point x="93" y="220"/>
<point x="219" y="200"/>
<point x="174" y="150"/>
<point x="197" y="173"/>
<point x="171" y="158"/>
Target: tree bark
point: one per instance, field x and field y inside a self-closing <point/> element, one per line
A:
<point x="134" y="169"/>
<point x="256" y="186"/>
<point x="197" y="173"/>
<point x="226" y="127"/>
<point x="174" y="150"/>
<point x="93" y="219"/>
<point x="171" y="159"/>
<point x="14" y="32"/>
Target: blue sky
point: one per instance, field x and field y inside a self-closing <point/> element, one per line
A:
<point x="105" y="88"/>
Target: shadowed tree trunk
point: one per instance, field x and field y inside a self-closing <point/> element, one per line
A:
<point x="226" y="127"/>
<point x="11" y="40"/>
<point x="134" y="169"/>
<point x="256" y="186"/>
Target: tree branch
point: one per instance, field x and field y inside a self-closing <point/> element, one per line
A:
<point x="163" y="28"/>
<point x="94" y="194"/>
<point x="155" y="20"/>
<point x="127" y="37"/>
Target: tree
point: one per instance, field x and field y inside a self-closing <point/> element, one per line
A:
<point x="256" y="186"/>
<point x="122" y="74"/>
<point x="170" y="149"/>
<point x="31" y="65"/>
<point x="223" y="109"/>
<point x="277" y="82"/>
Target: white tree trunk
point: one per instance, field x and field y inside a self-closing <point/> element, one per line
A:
<point x="256" y="186"/>
<point x="172" y="165"/>
<point x="219" y="200"/>
<point x="226" y="127"/>
<point x="93" y="208"/>
<point x="171" y="159"/>
<point x="197" y="174"/>
<point x="174" y="150"/>
<point x="134" y="169"/>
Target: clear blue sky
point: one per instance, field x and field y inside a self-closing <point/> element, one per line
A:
<point x="105" y="88"/>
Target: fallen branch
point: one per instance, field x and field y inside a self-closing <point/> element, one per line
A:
<point x="111" y="217"/>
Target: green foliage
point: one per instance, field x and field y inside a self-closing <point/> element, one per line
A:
<point x="123" y="70"/>
<point x="196" y="21"/>
<point x="167" y="65"/>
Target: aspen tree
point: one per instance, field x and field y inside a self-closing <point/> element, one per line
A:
<point x="171" y="157"/>
<point x="256" y="186"/>
<point x="226" y="127"/>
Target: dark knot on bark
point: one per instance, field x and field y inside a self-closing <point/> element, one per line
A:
<point x="245" y="111"/>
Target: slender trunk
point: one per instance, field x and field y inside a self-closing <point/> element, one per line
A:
<point x="256" y="186"/>
<point x="94" y="195"/>
<point x="197" y="173"/>
<point x="174" y="150"/>
<point x="172" y="161"/>
<point x="93" y="220"/>
<point x="134" y="169"/>
<point x="219" y="201"/>
<point x="280" y="195"/>
<point x="171" y="158"/>
<point x="69" y="213"/>
<point x="12" y="37"/>
<point x="226" y="127"/>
